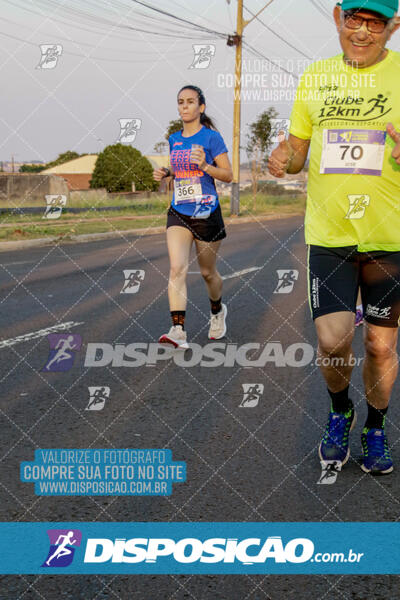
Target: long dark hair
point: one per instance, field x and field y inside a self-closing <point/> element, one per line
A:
<point x="204" y="119"/>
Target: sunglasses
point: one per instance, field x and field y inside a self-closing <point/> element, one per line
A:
<point x="354" y="21"/>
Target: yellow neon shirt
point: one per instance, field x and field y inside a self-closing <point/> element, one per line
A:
<point x="353" y="106"/>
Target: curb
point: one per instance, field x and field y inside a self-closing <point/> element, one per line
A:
<point x="92" y="237"/>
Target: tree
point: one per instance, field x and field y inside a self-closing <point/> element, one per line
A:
<point x="173" y="127"/>
<point x="119" y="165"/>
<point x="258" y="145"/>
<point x="31" y="168"/>
<point x="160" y="147"/>
<point x="63" y="158"/>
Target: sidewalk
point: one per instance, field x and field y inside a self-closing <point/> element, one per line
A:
<point x="92" y="237"/>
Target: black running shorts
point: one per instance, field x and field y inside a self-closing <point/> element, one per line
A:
<point x="335" y="274"/>
<point x="211" y="229"/>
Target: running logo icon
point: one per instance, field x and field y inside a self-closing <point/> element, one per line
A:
<point x="329" y="472"/>
<point x="203" y="54"/>
<point x="128" y="130"/>
<point x="203" y="207"/>
<point x="286" y="280"/>
<point x="63" y="543"/>
<point x="97" y="397"/>
<point x="252" y="393"/>
<point x="54" y="206"/>
<point x="50" y="55"/>
<point x="62" y="351"/>
<point x="133" y="279"/>
<point x="358" y="204"/>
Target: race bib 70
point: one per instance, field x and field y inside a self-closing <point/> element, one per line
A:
<point x="353" y="151"/>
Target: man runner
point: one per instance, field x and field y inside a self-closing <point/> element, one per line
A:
<point x="347" y="112"/>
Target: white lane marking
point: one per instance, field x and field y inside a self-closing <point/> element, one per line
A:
<point x="21" y="262"/>
<point x="231" y="275"/>
<point x="37" y="334"/>
<point x="239" y="273"/>
<point x="31" y="262"/>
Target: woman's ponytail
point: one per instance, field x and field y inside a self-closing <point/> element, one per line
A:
<point x="207" y="121"/>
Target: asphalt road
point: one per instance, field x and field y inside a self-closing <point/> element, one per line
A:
<point x="243" y="463"/>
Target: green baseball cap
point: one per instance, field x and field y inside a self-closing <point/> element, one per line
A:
<point x="388" y="8"/>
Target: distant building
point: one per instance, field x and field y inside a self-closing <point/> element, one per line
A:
<point x="78" y="172"/>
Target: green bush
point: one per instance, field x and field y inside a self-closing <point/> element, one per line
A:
<point x="118" y="166"/>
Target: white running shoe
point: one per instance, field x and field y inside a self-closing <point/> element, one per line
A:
<point x="218" y="324"/>
<point x="176" y="336"/>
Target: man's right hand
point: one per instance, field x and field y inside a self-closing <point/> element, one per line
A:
<point x="159" y="174"/>
<point x="280" y="158"/>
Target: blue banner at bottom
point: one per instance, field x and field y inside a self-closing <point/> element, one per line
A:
<point x="199" y="548"/>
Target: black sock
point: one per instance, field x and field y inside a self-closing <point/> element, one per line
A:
<point x="178" y="317"/>
<point x="215" y="306"/>
<point x="341" y="402"/>
<point x="376" y="417"/>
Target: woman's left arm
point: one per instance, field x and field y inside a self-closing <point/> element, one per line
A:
<point x="223" y="170"/>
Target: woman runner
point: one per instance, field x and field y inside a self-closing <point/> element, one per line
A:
<point x="198" y="155"/>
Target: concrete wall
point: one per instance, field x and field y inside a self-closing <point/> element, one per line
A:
<point x="29" y="189"/>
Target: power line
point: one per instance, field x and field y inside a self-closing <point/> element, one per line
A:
<point x="115" y="25"/>
<point x="164" y="12"/>
<point x="277" y="34"/>
<point x="61" y="38"/>
<point x="89" y="57"/>
<point x="94" y="16"/>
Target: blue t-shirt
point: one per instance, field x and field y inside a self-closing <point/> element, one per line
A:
<point x="194" y="190"/>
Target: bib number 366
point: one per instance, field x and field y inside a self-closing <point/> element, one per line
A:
<point x="187" y="190"/>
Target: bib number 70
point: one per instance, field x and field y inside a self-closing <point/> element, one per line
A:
<point x="356" y="152"/>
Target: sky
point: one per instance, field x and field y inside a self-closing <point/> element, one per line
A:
<point x="110" y="69"/>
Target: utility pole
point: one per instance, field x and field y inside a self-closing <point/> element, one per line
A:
<point x="235" y="202"/>
<point x="236" y="40"/>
